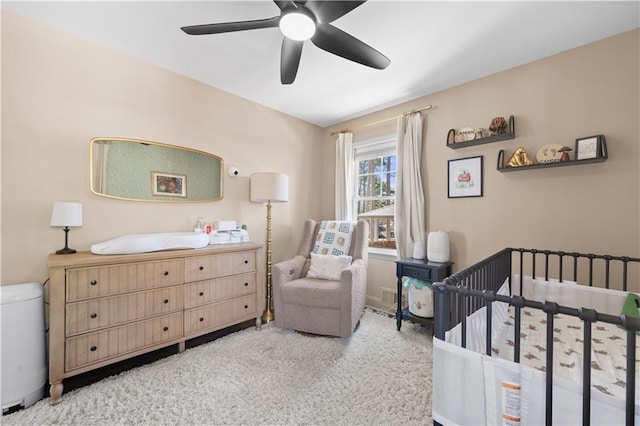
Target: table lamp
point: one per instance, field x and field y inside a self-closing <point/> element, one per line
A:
<point x="66" y="214"/>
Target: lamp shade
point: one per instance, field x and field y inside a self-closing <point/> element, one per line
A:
<point x="272" y="187"/>
<point x="66" y="214"/>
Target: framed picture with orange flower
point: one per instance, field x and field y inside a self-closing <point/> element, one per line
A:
<point x="169" y="185"/>
<point x="465" y="177"/>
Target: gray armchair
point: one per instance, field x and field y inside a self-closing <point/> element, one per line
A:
<point x="321" y="306"/>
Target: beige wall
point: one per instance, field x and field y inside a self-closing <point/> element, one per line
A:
<point x="59" y="91"/>
<point x="593" y="208"/>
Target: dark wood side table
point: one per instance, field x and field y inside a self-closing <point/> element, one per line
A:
<point x="422" y="270"/>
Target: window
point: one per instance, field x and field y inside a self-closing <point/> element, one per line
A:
<point x="375" y="180"/>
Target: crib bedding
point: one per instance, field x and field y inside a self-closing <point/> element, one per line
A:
<point x="608" y="351"/>
<point x="494" y="389"/>
<point x="608" y="356"/>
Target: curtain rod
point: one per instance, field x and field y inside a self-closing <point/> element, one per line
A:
<point x="375" y="123"/>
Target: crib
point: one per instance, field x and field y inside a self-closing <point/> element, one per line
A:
<point x="484" y="367"/>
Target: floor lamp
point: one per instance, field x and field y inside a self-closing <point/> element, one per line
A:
<point x="269" y="188"/>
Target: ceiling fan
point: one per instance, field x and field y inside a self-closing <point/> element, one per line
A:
<point x="304" y="20"/>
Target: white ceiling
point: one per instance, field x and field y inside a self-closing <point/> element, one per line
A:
<point x="432" y="45"/>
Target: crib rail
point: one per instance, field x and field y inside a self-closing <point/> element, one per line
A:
<point x="475" y="287"/>
<point x="568" y="266"/>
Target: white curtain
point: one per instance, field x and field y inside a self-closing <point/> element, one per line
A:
<point x="344" y="177"/>
<point x="410" y="226"/>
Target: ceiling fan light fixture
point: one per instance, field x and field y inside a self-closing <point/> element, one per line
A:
<point x="297" y="26"/>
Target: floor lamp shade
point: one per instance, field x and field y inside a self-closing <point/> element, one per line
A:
<point x="272" y="187"/>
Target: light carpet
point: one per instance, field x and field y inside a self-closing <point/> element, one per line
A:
<point x="379" y="376"/>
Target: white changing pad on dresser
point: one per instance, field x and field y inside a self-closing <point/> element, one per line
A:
<point x="143" y="243"/>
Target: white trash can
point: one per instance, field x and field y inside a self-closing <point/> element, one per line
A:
<point x="22" y="344"/>
<point x="420" y="297"/>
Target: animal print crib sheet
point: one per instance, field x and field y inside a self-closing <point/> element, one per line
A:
<point x="608" y="350"/>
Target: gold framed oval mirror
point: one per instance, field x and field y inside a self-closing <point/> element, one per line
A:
<point x="141" y="170"/>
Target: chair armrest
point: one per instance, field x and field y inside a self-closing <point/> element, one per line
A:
<point x="287" y="270"/>
<point x="354" y="275"/>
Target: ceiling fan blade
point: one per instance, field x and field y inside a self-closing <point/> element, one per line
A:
<point x="290" y="59"/>
<point x="283" y="4"/>
<point x="329" y="11"/>
<point x="336" y="41"/>
<point x="227" y="27"/>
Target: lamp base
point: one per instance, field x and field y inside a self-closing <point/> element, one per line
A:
<point x="65" y="250"/>
<point x="267" y="316"/>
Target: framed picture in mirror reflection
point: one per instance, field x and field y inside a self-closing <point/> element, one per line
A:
<point x="166" y="184"/>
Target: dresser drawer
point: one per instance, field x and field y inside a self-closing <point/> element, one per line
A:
<point x="101" y="281"/>
<point x="219" y="265"/>
<point x="91" y="348"/>
<point x="105" y="312"/>
<point x="210" y="291"/>
<point x="219" y="314"/>
<point x="422" y="274"/>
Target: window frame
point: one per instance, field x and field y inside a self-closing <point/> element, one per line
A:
<point x="366" y="150"/>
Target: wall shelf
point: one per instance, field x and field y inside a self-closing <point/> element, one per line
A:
<point x="509" y="134"/>
<point x="602" y="156"/>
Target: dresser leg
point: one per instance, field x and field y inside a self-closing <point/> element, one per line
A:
<point x="181" y="346"/>
<point x="56" y="393"/>
<point x="258" y="323"/>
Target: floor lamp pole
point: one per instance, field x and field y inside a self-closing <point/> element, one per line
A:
<point x="268" y="312"/>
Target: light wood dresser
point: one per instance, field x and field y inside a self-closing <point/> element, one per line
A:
<point x="104" y="309"/>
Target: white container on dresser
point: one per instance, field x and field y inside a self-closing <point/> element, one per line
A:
<point x="104" y="309"/>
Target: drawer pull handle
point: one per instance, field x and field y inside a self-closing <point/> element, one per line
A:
<point x="165" y="273"/>
<point x="166" y="301"/>
<point x="94" y="315"/>
<point x="201" y="268"/>
<point x="246" y="306"/>
<point x="201" y="319"/>
<point x="93" y="348"/>
<point x="93" y="282"/>
<point x="246" y="262"/>
<point x="165" y="329"/>
<point x="201" y="294"/>
<point x="246" y="284"/>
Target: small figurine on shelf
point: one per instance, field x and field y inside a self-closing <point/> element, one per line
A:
<point x="565" y="153"/>
<point x="498" y="126"/>
<point x="519" y="158"/>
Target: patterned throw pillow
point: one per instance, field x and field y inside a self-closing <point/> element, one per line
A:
<point x="334" y="237"/>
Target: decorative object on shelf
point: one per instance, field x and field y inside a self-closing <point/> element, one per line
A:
<point x="549" y="153"/>
<point x="66" y="214"/>
<point x="465" y="134"/>
<point x="565" y="153"/>
<point x="498" y="126"/>
<point x="269" y="187"/>
<point x="589" y="147"/>
<point x="465" y="177"/>
<point x="519" y="158"/>
<point x="482" y="135"/>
